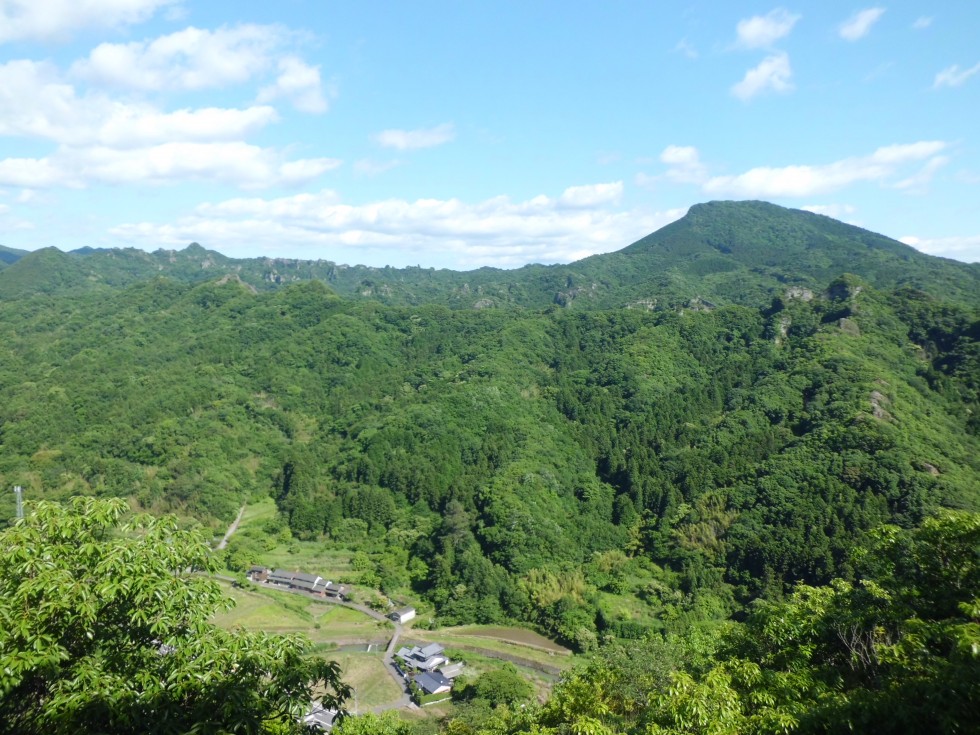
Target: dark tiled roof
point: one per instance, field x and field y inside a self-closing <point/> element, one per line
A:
<point x="430" y="683"/>
<point x="304" y="577"/>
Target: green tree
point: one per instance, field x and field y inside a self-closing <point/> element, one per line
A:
<point x="500" y="686"/>
<point x="386" y="723"/>
<point x="104" y="628"/>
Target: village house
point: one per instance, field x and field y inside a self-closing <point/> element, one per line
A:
<point x="339" y="591"/>
<point x="426" y="658"/>
<point x="431" y="683"/>
<point x="403" y="615"/>
<point x="296" y="580"/>
<point x="311" y="583"/>
<point x="258" y="574"/>
<point x="451" y="670"/>
<point x="320" y="718"/>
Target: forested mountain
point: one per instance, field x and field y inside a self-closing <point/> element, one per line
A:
<point x="599" y="470"/>
<point x="721" y="252"/>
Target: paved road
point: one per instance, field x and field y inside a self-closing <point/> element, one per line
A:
<point x="231" y="529"/>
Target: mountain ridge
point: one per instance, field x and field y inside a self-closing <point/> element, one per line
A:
<point x="720" y="251"/>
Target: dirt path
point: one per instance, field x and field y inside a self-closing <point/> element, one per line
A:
<point x="231" y="529"/>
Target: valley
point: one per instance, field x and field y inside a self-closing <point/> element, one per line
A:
<point x="641" y="451"/>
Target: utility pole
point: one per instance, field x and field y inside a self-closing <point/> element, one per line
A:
<point x="18" y="491"/>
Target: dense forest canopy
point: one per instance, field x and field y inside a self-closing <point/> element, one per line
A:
<point x="607" y="449"/>
<point x="895" y="651"/>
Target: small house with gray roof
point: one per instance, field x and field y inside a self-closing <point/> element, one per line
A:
<point x="432" y="683"/>
<point x="426" y="658"/>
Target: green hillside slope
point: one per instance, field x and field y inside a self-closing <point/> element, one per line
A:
<point x="10" y="255"/>
<point x="543" y="466"/>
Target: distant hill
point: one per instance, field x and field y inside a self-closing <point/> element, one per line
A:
<point x="10" y="255"/>
<point x="735" y="248"/>
<point x="748" y="253"/>
<point x="720" y="252"/>
<point x="44" y="271"/>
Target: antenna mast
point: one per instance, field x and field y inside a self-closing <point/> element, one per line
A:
<point x="18" y="491"/>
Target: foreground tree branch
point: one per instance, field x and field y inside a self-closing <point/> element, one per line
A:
<point x="102" y="629"/>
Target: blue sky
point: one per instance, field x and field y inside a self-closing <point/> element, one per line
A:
<point x="462" y="134"/>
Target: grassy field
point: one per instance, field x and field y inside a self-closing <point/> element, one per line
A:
<point x="259" y="512"/>
<point x="261" y="608"/>
<point x="512" y="635"/>
<point x="366" y="673"/>
<point x="343" y="624"/>
<point x="327" y="625"/>
<point x="266" y="610"/>
<point x="513" y="646"/>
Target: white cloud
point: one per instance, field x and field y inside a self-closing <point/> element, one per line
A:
<point x="298" y="82"/>
<point x="234" y="163"/>
<point x="10" y="222"/>
<point x="684" y="163"/>
<point x="859" y="24"/>
<point x="907" y="152"/>
<point x="761" y="31"/>
<point x="773" y="73"/>
<point x="680" y="155"/>
<point x="592" y="195"/>
<point x="496" y="231"/>
<point x="101" y="140"/>
<point x="191" y="59"/>
<point x="57" y="19"/>
<point x="953" y="76"/>
<point x="134" y="126"/>
<point x="965" y="248"/>
<point x="35" y="102"/>
<point x="882" y="166"/>
<point x="31" y="173"/>
<point x="645" y="180"/>
<point x="918" y="182"/>
<point x="408" y="140"/>
<point x="922" y="22"/>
